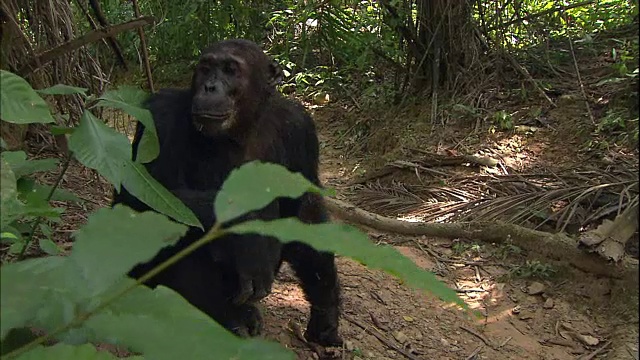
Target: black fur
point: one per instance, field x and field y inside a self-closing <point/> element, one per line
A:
<point x="225" y="278"/>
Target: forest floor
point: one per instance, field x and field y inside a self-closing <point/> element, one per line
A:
<point x="529" y="310"/>
<point x="561" y="315"/>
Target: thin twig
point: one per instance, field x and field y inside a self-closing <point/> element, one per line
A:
<point x="575" y="65"/>
<point x="478" y="335"/>
<point x="39" y="219"/>
<point x="92" y="36"/>
<point x="595" y="352"/>
<point x="381" y="337"/>
<point x="145" y="51"/>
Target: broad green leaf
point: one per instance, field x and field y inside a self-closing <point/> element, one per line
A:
<point x="143" y="186"/>
<point x="70" y="352"/>
<point x="35" y="205"/>
<point x="21" y="166"/>
<point x="10" y="207"/>
<point x="61" y="89"/>
<point x="46" y="229"/>
<point x="62" y="130"/>
<point x="145" y="319"/>
<point x="26" y="185"/>
<point x="350" y="242"/>
<point x="131" y="100"/>
<point x="16" y="247"/>
<point x="99" y="147"/>
<point x="28" y="287"/>
<point x="255" y="185"/>
<point x="19" y="103"/>
<point x="49" y="246"/>
<point x="104" y="252"/>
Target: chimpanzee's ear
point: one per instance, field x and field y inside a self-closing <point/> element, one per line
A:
<point x="276" y="75"/>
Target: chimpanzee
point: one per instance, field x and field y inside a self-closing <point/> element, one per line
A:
<point x="233" y="114"/>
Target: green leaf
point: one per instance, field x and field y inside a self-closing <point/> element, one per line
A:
<point x="16" y="247"/>
<point x="143" y="186"/>
<point x="36" y="203"/>
<point x="131" y="100"/>
<point x="10" y="207"/>
<point x="27" y="185"/>
<point x="28" y="287"/>
<point x="62" y="130"/>
<point x="70" y="352"/>
<point x="49" y="246"/>
<point x="241" y="193"/>
<point x="348" y="241"/>
<point x="21" y="166"/>
<point x="145" y="319"/>
<point x="61" y="89"/>
<point x="19" y="103"/>
<point x="10" y="235"/>
<point x="101" y="148"/>
<point x="104" y="252"/>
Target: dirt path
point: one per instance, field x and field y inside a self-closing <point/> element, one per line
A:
<point x="560" y="318"/>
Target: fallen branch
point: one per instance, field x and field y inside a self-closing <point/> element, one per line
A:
<point x="612" y="236"/>
<point x="554" y="247"/>
<point x="90" y="37"/>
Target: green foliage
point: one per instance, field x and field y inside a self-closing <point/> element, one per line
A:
<point x="61" y="89"/>
<point x="234" y="200"/>
<point x="130" y="100"/>
<point x="580" y="21"/>
<point x="19" y="103"/>
<point x="100" y="147"/>
<point x="348" y="241"/>
<point x="532" y="269"/>
<point x="503" y="120"/>
<point x="23" y="200"/>
<point x="86" y="298"/>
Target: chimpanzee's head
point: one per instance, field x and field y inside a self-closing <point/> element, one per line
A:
<point x="230" y="84"/>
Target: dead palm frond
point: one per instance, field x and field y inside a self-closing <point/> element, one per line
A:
<point x="577" y="197"/>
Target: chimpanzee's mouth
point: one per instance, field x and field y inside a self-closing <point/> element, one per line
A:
<point x="212" y="123"/>
<point x="204" y="117"/>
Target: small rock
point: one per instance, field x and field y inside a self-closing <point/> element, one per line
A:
<point x="548" y="304"/>
<point x="400" y="336"/>
<point x="587" y="339"/>
<point x="418" y="336"/>
<point x="516" y="310"/>
<point x="444" y="342"/>
<point x="535" y="288"/>
<point x="525" y="316"/>
<point x="349" y="345"/>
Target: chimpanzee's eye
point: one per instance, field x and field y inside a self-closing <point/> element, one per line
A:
<point x="203" y="69"/>
<point x="229" y="67"/>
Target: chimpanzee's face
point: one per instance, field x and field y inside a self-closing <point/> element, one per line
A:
<point x="233" y="79"/>
<point x="220" y="80"/>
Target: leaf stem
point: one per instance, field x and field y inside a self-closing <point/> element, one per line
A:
<point x="39" y="219"/>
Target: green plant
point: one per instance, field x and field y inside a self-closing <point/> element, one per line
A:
<point x="532" y="269"/>
<point x="502" y="120"/>
<point x="86" y="296"/>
